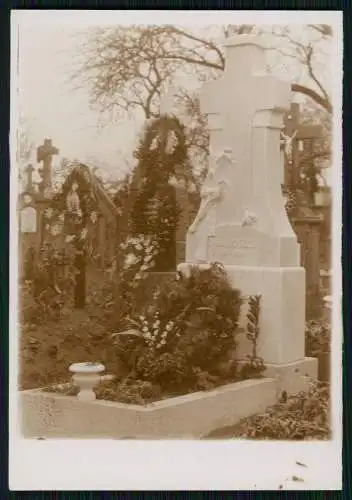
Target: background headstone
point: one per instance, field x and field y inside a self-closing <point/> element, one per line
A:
<point x="28" y="220"/>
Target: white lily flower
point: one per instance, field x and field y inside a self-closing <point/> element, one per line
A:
<point x="130" y="260"/>
<point x="192" y="188"/>
<point x="69" y="238"/>
<point x="84" y="233"/>
<point x="55" y="230"/>
<point x="48" y="212"/>
<point x="173" y="181"/>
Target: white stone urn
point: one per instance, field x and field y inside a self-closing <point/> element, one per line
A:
<point x="86" y="376"/>
<point x="328" y="301"/>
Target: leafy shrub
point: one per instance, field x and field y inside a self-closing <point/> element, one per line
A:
<point x="318" y="337"/>
<point x="301" y="417"/>
<point x="130" y="391"/>
<point x="47" y="293"/>
<point x="187" y="328"/>
<point x="255" y="365"/>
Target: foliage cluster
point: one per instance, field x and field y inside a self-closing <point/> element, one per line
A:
<point x="304" y="416"/>
<point x="255" y="364"/>
<point x="318" y="337"/>
<point x="162" y="163"/>
<point x="47" y="291"/>
<point x="187" y="328"/>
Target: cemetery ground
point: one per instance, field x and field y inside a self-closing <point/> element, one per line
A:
<point x="48" y="348"/>
<point x="226" y="339"/>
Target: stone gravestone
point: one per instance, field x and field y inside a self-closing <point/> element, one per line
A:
<point x="28" y="220"/>
<point x="242" y="221"/>
<point x="45" y="154"/>
<point x="28" y="226"/>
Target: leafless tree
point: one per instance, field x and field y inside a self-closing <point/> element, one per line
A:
<point x="306" y="48"/>
<point x="25" y="145"/>
<point x="127" y="68"/>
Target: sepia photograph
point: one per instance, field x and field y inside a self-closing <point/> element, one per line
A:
<point x="176" y="193"/>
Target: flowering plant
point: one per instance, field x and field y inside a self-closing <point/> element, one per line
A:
<point x="138" y="256"/>
<point x="134" y="260"/>
<point x="184" y="330"/>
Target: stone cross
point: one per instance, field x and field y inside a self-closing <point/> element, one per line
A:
<point x="245" y="109"/>
<point x="245" y="226"/>
<point x="29" y="181"/>
<point x="45" y="154"/>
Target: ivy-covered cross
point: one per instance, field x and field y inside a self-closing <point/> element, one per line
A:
<point x="162" y="162"/>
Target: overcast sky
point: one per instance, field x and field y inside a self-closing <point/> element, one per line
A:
<point x="53" y="109"/>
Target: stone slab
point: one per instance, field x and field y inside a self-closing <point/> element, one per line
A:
<point x="50" y="415"/>
<point x="293" y="377"/>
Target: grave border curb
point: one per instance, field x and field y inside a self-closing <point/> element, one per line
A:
<point x="51" y="415"/>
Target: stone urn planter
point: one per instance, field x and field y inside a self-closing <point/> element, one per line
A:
<point x="86" y="376"/>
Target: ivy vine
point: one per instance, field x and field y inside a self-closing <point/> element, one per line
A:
<point x="162" y="158"/>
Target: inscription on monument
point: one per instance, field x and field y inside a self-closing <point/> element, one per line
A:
<point x="234" y="248"/>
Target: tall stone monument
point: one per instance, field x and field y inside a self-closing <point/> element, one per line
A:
<point x="242" y="221"/>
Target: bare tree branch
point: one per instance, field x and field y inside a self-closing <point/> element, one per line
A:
<point x="308" y="92"/>
<point x="127" y="67"/>
<point x="323" y="29"/>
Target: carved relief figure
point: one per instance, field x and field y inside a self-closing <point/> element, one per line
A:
<point x="72" y="200"/>
<point x="249" y="219"/>
<point x="205" y="220"/>
<point x="210" y="192"/>
<point x="287" y="141"/>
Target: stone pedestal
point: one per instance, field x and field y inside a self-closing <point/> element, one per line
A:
<point x="242" y="222"/>
<point x="282" y="309"/>
<point x="281" y="341"/>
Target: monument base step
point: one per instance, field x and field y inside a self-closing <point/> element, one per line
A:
<point x="293" y="377"/>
